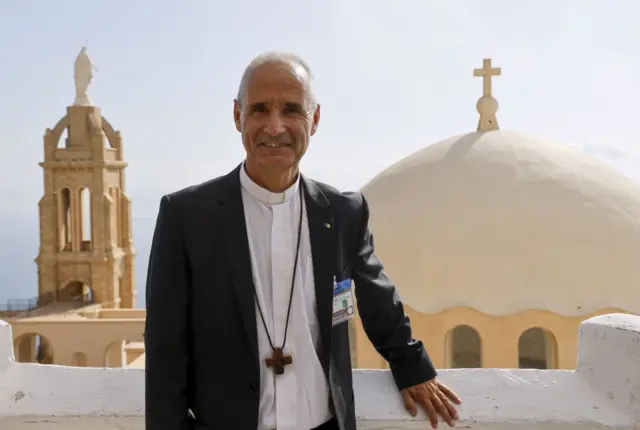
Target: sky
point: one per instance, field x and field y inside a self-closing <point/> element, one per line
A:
<point x="391" y="77"/>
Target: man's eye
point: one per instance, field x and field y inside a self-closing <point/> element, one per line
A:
<point x="291" y="110"/>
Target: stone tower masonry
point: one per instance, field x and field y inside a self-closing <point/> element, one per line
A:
<point x="86" y="246"/>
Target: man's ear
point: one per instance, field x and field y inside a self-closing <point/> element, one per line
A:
<point x="237" y="111"/>
<point x="316" y="120"/>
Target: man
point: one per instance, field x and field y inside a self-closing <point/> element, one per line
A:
<point x="249" y="285"/>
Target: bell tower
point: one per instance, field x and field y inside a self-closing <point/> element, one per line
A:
<point x="86" y="248"/>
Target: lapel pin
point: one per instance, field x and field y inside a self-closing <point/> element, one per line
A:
<point x="327" y="225"/>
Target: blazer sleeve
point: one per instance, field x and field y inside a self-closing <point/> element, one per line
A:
<point x="382" y="312"/>
<point x="166" y="326"/>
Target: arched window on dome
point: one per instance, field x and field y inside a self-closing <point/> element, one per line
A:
<point x="537" y="349"/>
<point x="33" y="348"/>
<point x="463" y="348"/>
<point x="79" y="359"/>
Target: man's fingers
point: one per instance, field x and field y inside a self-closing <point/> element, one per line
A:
<point x="450" y="414"/>
<point x="409" y="404"/>
<point x="436" y="399"/>
<point x="452" y="409"/>
<point x="431" y="410"/>
<point x="450" y="394"/>
<point x="442" y="409"/>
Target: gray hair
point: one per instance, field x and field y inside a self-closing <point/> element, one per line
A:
<point x="277" y="57"/>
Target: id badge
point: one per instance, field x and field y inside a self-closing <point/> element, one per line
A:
<point x="342" y="301"/>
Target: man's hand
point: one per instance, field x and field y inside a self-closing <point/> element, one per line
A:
<point x="435" y="398"/>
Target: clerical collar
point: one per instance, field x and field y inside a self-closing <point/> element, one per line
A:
<point x="265" y="195"/>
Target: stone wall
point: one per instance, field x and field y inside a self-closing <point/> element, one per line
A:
<point x="603" y="392"/>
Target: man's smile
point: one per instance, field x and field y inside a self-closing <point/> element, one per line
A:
<point x="274" y="144"/>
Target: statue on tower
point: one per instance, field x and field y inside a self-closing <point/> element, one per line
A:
<point x="83" y="72"/>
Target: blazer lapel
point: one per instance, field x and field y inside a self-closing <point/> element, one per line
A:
<point x="234" y="229"/>
<point x="321" y="234"/>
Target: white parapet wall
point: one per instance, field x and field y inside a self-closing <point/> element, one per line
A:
<point x="603" y="393"/>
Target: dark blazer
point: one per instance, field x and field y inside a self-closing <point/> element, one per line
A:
<point x="201" y="334"/>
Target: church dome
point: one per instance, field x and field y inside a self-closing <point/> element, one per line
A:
<point x="503" y="222"/>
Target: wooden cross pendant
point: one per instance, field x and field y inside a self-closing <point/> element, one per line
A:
<point x="278" y="360"/>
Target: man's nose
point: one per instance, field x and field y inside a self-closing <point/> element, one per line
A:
<point x="275" y="125"/>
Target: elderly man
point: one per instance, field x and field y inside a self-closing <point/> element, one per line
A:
<point x="249" y="289"/>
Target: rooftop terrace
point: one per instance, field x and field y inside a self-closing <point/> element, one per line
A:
<point x="603" y="392"/>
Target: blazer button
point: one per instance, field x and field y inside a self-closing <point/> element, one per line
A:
<point x="254" y="387"/>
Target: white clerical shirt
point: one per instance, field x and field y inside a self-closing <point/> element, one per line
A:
<point x="299" y="398"/>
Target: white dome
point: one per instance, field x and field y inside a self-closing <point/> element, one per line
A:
<point x="502" y="222"/>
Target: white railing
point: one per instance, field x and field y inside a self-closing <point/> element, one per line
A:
<point x="604" y="391"/>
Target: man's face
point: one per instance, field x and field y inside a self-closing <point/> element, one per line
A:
<point x="276" y="119"/>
